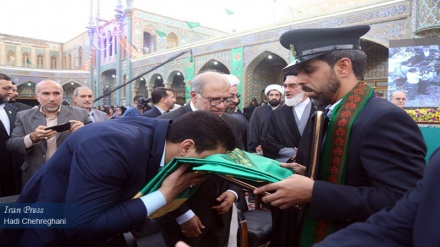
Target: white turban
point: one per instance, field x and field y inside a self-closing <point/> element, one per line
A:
<point x="233" y="80"/>
<point x="274" y="87"/>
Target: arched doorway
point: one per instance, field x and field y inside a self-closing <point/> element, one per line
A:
<point x="264" y="70"/>
<point x="178" y="85"/>
<point x="214" y="65"/>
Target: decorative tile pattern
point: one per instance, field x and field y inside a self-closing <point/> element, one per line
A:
<point x="428" y="18"/>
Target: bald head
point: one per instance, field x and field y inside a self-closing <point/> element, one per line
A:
<point x="210" y="92"/>
<point x="50" y="95"/>
<point x="398" y="98"/>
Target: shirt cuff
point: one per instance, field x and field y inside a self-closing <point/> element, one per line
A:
<point x="28" y="142"/>
<point x="153" y="201"/>
<point x="185" y="217"/>
<point x="235" y="193"/>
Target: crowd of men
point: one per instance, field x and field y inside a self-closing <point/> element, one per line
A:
<point x="372" y="154"/>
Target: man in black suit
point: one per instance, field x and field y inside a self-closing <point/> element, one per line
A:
<point x="412" y="221"/>
<point x="7" y="119"/>
<point x="17" y="159"/>
<point x="13" y="100"/>
<point x="163" y="100"/>
<point x="205" y="218"/>
<point x="373" y="151"/>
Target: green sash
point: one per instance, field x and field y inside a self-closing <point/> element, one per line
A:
<point x="333" y="161"/>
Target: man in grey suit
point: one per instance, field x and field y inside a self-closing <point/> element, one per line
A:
<point x="83" y="98"/>
<point x="29" y="136"/>
<point x="205" y="218"/>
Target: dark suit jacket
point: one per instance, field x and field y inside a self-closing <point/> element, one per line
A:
<point x="413" y="221"/>
<point x="96" y="172"/>
<point x="153" y="113"/>
<point x="7" y="183"/>
<point x="26" y="123"/>
<point x="385" y="159"/>
<point x="202" y="201"/>
<point x="20" y="106"/>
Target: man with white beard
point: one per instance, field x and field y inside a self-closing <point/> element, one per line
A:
<point x="287" y="125"/>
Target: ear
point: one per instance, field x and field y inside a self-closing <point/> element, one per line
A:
<point x="193" y="96"/>
<point x="186" y="146"/>
<point x="343" y="67"/>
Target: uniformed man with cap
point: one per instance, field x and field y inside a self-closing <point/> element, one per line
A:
<point x="261" y="115"/>
<point x="373" y="151"/>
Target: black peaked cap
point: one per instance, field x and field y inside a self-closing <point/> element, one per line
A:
<point x="306" y="44"/>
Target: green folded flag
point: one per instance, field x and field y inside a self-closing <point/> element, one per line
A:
<point x="161" y="34"/>
<point x="192" y="24"/>
<point x="237" y="164"/>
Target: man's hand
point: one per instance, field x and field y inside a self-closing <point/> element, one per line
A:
<point x="75" y="125"/>
<point x="192" y="228"/>
<point x="298" y="168"/>
<point x="292" y="191"/>
<point x="225" y="199"/>
<point x="40" y="134"/>
<point x="259" y="149"/>
<point x="179" y="180"/>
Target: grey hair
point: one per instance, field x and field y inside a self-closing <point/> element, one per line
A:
<point x="199" y="82"/>
<point x="75" y="92"/>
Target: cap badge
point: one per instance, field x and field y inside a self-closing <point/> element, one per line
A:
<point x="293" y="51"/>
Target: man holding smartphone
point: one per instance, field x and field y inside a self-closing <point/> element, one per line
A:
<point x="30" y="136"/>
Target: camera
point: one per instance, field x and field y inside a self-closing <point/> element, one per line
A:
<point x="143" y="102"/>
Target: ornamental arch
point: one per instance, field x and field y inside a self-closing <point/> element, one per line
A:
<point x="263" y="70"/>
<point x="214" y="65"/>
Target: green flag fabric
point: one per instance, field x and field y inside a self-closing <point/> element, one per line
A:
<point x="28" y="61"/>
<point x="161" y="34"/>
<point x="192" y="24"/>
<point x="237" y="164"/>
<point x="229" y="12"/>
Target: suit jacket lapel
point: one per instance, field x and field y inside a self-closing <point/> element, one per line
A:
<point x="38" y="118"/>
<point x="63" y="117"/>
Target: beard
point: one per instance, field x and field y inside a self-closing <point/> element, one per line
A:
<point x="4" y="100"/>
<point x="328" y="90"/>
<point x="274" y="102"/>
<point x="51" y="109"/>
<point x="298" y="98"/>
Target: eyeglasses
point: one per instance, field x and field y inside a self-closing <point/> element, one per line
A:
<point x="7" y="88"/>
<point x="216" y="102"/>
<point x="292" y="85"/>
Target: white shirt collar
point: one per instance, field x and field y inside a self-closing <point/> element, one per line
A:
<point x="192" y="106"/>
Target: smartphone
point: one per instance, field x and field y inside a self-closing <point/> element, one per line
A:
<point x="59" y="127"/>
